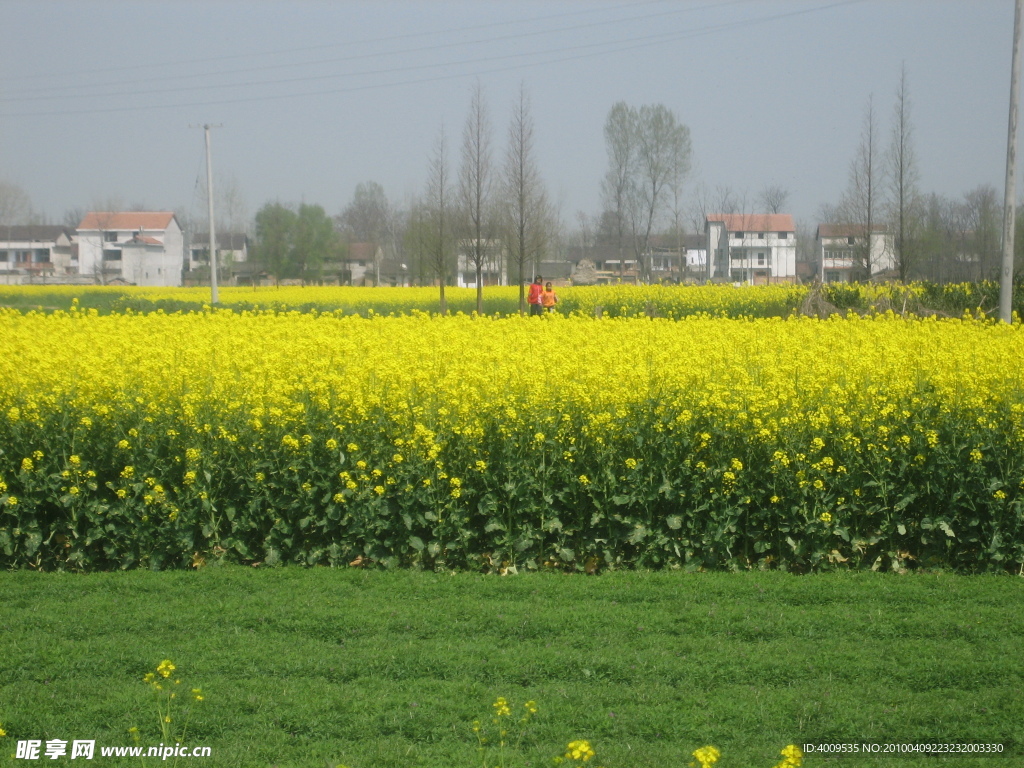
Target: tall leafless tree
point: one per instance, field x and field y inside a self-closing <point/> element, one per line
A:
<point x="860" y="203"/>
<point x="438" y="202"/>
<point x="616" y="188"/>
<point x="526" y="204"/>
<point x="476" y="186"/>
<point x="904" y="198"/>
<point x="663" y="157"/>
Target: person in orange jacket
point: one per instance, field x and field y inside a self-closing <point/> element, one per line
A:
<point x="548" y="298"/>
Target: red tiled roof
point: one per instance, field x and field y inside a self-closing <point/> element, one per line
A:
<point x="145" y="240"/>
<point x="126" y="220"/>
<point x="755" y="222"/>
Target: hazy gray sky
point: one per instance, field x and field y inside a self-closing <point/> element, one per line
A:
<point x="97" y="97"/>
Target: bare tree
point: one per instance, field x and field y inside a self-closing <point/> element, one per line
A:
<point x="367" y="219"/>
<point x="773" y="198"/>
<point x="15" y="205"/>
<point x="526" y="203"/>
<point x="438" y="203"/>
<point x="861" y="200"/>
<point x="475" y="187"/>
<point x="616" y="188"/>
<point x="663" y="152"/>
<point x="904" y="202"/>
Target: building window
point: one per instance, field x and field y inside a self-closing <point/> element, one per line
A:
<point x="110" y="237"/>
<point x="760" y="235"/>
<point x="760" y="259"/>
<point x="849" y="241"/>
<point x="3" y="255"/>
<point x="783" y="235"/>
<point x="111" y="255"/>
<point x="738" y="235"/>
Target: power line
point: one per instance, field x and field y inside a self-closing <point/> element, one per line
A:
<point x="602" y="50"/>
<point x="347" y="43"/>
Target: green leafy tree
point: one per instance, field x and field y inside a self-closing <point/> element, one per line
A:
<point x="275" y="240"/>
<point x="315" y="242"/>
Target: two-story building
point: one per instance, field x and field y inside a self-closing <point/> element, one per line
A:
<point x="36" y="251"/>
<point x="756" y="249"/>
<point x="845" y="255"/>
<point x="137" y="247"/>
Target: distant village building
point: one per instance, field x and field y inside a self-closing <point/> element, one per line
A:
<point x="843" y="253"/>
<point x="756" y="249"/>
<point x="233" y="265"/>
<point x="492" y="270"/>
<point x="133" y="247"/>
<point x="35" y="253"/>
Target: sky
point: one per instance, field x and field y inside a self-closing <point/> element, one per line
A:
<point x="103" y="101"/>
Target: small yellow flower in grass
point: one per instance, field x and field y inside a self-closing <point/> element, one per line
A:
<point x="707" y="756"/>
<point x="825" y="517"/>
<point x="630" y="463"/>
<point x="481" y="466"/>
<point x="792" y="756"/>
<point x="580" y="750"/>
<point x="197" y="694"/>
<point x="501" y="707"/>
<point x="2" y="733"/>
<point x="531" y="707"/>
<point x="331" y="444"/>
<point x="975" y="456"/>
<point x="165" y="668"/>
<point x="999" y="495"/>
<point x="124" y="445"/>
<point x="75" y="461"/>
<point x="584" y="480"/>
<point x="352" y="447"/>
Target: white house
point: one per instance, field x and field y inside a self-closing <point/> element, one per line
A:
<point x="140" y="247"/>
<point x="492" y="270"/>
<point x="842" y="257"/>
<point x="36" y="251"/>
<point x="752" y="248"/>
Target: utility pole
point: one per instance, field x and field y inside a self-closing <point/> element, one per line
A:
<point x="213" y="235"/>
<point x="1010" y="191"/>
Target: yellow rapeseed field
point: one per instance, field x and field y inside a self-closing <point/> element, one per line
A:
<point x="166" y="440"/>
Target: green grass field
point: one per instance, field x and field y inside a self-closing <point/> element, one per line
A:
<point x="371" y="669"/>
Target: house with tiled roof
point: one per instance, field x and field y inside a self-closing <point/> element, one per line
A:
<point x="751" y="248"/>
<point x="137" y="247"/>
<point x="844" y="254"/>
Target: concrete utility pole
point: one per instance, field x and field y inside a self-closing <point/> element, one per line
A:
<point x="213" y="236"/>
<point x="1010" y="191"/>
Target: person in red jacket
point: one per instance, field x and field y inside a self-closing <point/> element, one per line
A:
<point x="533" y="298"/>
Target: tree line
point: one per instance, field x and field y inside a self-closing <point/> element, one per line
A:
<point x="486" y="209"/>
